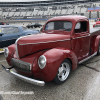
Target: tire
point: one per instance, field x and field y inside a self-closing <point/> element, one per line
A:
<point x="98" y="52"/>
<point x="63" y="72"/>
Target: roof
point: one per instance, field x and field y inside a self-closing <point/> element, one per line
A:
<point x="68" y="17"/>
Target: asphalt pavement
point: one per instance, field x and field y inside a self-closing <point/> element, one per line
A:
<point x="82" y="84"/>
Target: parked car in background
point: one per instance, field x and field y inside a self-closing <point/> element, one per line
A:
<point x="97" y="24"/>
<point x="2" y="23"/>
<point x="34" y="25"/>
<point x="9" y="33"/>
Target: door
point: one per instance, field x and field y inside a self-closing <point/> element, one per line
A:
<point x="81" y="40"/>
<point x="10" y="34"/>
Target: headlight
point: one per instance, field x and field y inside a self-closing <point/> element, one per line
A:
<point x="42" y="61"/>
<point x="6" y="52"/>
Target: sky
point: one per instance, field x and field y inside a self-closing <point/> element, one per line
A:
<point x="21" y="0"/>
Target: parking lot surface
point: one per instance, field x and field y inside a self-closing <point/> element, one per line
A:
<point x="82" y="84"/>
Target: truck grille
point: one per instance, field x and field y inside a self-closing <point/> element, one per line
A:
<point x="21" y="65"/>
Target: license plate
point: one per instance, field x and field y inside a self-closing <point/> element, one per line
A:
<point x="1" y="49"/>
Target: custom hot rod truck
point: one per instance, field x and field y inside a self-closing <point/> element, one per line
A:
<point x="64" y="43"/>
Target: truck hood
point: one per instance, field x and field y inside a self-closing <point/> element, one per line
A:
<point x="37" y="42"/>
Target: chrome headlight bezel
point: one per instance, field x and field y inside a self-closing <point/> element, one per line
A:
<point x="42" y="61"/>
<point x="6" y="52"/>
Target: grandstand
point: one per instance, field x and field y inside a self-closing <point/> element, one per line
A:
<point x="44" y="9"/>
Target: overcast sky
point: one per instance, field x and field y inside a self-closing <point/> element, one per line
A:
<point x="21" y="0"/>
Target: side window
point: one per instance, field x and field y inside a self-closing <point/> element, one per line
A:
<point x="15" y="30"/>
<point x="81" y="27"/>
<point x="50" y="26"/>
<point x="9" y="30"/>
<point x="78" y="26"/>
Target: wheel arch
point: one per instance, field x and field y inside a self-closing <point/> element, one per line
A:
<point x="94" y="43"/>
<point x="70" y="62"/>
<point x="54" y="58"/>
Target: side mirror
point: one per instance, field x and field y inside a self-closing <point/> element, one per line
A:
<point x="1" y="34"/>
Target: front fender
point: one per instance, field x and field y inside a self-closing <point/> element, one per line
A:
<point x="11" y="52"/>
<point x="54" y="58"/>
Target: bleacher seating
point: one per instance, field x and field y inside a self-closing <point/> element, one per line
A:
<point x="23" y="14"/>
<point x="46" y="12"/>
<point x="97" y="5"/>
<point x="77" y="10"/>
<point x="4" y="13"/>
<point x="94" y="14"/>
<point x="86" y="14"/>
<point x="83" y="10"/>
<point x="11" y="14"/>
<point x="40" y="12"/>
<point x="17" y="13"/>
<point x="99" y="14"/>
<point x="64" y="11"/>
<point x="70" y="11"/>
<point x="29" y="13"/>
<point x="90" y="11"/>
<point x="34" y="13"/>
<point x="51" y="12"/>
<point x="0" y="12"/>
<point x="58" y="12"/>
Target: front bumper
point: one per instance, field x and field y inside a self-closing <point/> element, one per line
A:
<point x="30" y="80"/>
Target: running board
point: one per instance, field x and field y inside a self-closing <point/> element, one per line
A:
<point x="87" y="58"/>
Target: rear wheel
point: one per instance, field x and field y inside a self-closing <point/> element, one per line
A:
<point x="63" y="72"/>
<point x="98" y="52"/>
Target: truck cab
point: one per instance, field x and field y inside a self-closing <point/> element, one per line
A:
<point x="77" y="28"/>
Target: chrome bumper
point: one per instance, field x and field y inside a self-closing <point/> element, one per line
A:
<point x="32" y="81"/>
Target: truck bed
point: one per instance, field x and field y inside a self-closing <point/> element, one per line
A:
<point x="94" y="31"/>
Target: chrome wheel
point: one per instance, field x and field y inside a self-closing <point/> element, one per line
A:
<point x="63" y="71"/>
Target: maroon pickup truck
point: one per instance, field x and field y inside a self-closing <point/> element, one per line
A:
<point x="64" y="43"/>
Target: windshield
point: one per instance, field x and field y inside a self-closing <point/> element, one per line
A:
<point x="59" y="25"/>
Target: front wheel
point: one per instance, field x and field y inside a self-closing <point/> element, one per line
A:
<point x="63" y="72"/>
<point x="98" y="52"/>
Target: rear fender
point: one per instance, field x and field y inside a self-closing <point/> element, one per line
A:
<point x="54" y="59"/>
<point x="94" y="43"/>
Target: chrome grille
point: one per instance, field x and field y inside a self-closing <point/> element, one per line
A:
<point x="21" y="65"/>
